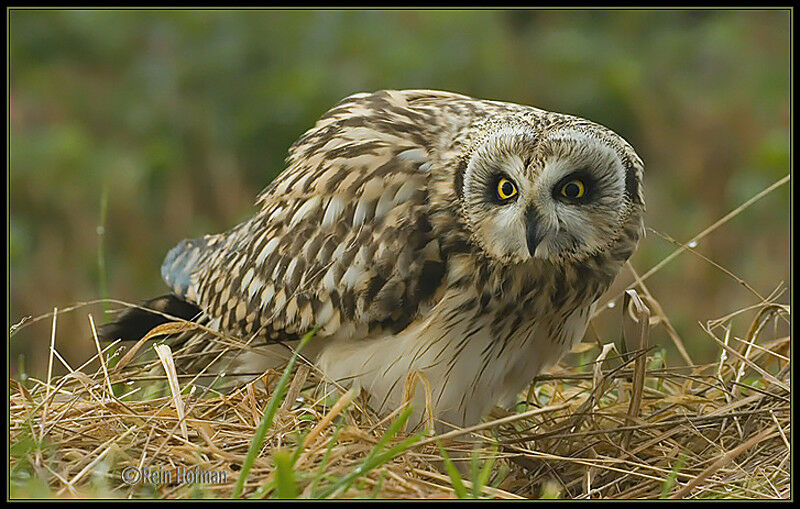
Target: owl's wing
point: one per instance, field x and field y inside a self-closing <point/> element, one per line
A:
<point x="343" y="238"/>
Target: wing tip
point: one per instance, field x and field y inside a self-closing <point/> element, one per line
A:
<point x="133" y="323"/>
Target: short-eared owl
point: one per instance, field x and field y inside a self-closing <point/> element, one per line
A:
<point x="422" y="231"/>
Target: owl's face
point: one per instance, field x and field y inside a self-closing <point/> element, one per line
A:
<point x="560" y="195"/>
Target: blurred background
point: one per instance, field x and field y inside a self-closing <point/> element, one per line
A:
<point x="131" y="130"/>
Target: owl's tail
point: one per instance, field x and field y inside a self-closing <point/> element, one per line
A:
<point x="134" y="323"/>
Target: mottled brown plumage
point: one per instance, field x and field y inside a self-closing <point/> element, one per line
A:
<point x="391" y="230"/>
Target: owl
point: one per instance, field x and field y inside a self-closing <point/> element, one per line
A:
<point x="421" y="231"/>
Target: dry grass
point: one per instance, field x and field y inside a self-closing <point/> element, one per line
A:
<point x="621" y="426"/>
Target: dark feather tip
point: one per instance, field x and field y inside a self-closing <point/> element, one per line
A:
<point x="134" y="323"/>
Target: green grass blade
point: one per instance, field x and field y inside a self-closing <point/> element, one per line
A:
<point x="284" y="475"/>
<point x="375" y="458"/>
<point x="269" y="414"/>
<point x="484" y="475"/>
<point x="669" y="483"/>
<point x="301" y="442"/>
<point x="550" y="491"/>
<point x="455" y="478"/>
<point x="396" y="426"/>
<point x="326" y="458"/>
<point x="378" y="460"/>
<point x="378" y="485"/>
<point x="264" y="490"/>
<point x="101" y="247"/>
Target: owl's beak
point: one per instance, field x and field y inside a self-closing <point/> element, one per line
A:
<point x="532" y="230"/>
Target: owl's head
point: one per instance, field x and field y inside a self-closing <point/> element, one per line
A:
<point x="562" y="193"/>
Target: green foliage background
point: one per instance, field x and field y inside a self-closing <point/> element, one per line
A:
<point x="185" y="116"/>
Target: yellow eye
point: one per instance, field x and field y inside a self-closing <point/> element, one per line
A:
<point x="574" y="189"/>
<point x="506" y="189"/>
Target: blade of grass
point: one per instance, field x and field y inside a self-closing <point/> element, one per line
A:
<point x="396" y="426"/>
<point x="483" y="476"/>
<point x="101" y="247"/>
<point x="301" y="442"/>
<point x="269" y="414"/>
<point x="378" y="485"/>
<point x="669" y="483"/>
<point x="502" y="472"/>
<point x="379" y="460"/>
<point x="327" y="456"/>
<point x="455" y="478"/>
<point x="102" y="276"/>
<point x="375" y="459"/>
<point x="284" y="475"/>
